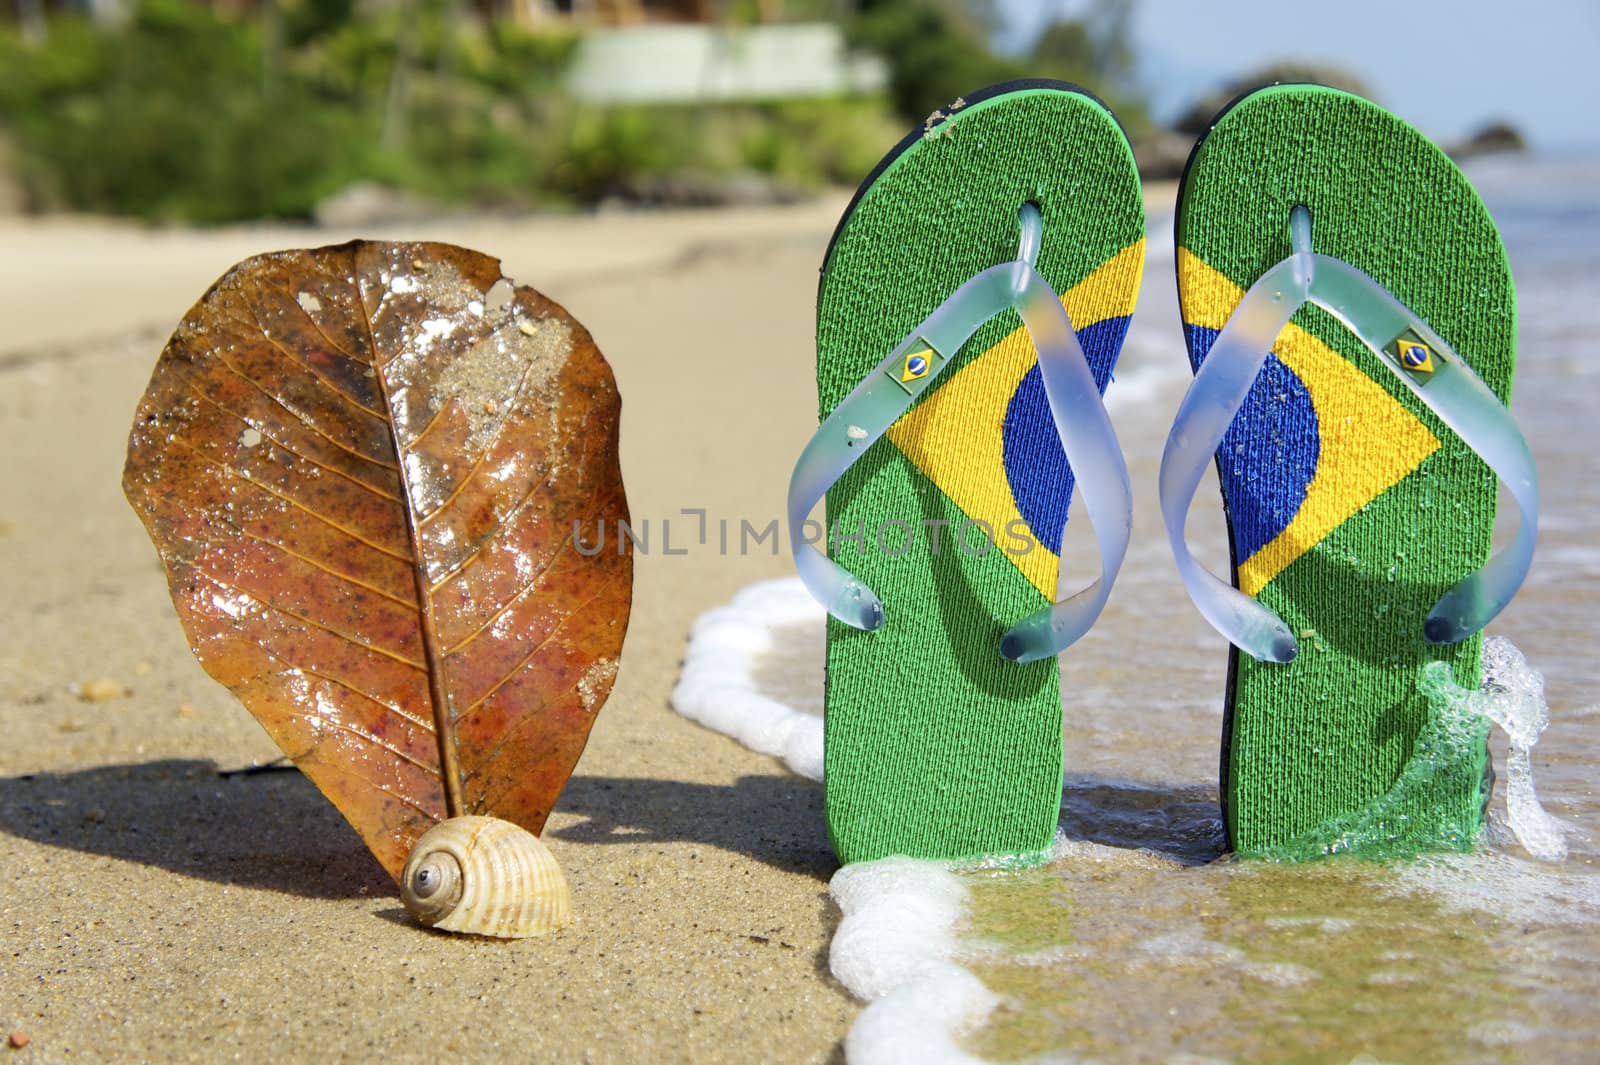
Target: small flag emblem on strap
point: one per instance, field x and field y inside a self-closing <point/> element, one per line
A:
<point x="1412" y="354"/>
<point x="915" y="369"/>
<point x="1416" y="356"/>
<point x="916" y="366"/>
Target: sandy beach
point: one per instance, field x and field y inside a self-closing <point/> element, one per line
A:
<point x="169" y="899"/>
<point x="159" y="911"/>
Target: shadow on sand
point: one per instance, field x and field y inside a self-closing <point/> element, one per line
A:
<point x="777" y="820"/>
<point x="276" y="831"/>
<point x="1179" y="821"/>
<point x="261" y="830"/>
<point x="1183" y="823"/>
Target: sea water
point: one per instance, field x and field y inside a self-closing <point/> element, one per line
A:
<point x="1139" y="940"/>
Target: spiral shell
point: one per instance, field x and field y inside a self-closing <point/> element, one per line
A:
<point x="487" y="877"/>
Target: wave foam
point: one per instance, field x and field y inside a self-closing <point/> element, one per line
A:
<point x="893" y="949"/>
<point x="897" y="945"/>
<point x="718" y="685"/>
<point x="894" y="946"/>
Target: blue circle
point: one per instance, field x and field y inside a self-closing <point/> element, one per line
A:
<point x="1270" y="452"/>
<point x="916" y="366"/>
<point x="1036" y="467"/>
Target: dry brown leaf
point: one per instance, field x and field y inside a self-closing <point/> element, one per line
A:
<point x="363" y="467"/>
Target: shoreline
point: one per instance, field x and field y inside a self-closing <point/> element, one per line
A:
<point x="159" y="909"/>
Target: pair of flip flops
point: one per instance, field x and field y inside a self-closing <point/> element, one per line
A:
<point x="1350" y="317"/>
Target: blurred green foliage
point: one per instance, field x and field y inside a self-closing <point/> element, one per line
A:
<point x="70" y="106"/>
<point x="183" y="115"/>
<point x="933" y="56"/>
<point x="800" y="144"/>
<point x="937" y="51"/>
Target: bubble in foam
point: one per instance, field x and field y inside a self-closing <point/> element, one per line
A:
<point x="899" y="916"/>
<point x="721" y="687"/>
<point x="894" y="948"/>
<point x="1512" y="697"/>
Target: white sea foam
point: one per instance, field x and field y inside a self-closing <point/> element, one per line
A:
<point x="1505" y="885"/>
<point x="914" y="1024"/>
<point x="894" y="946"/>
<point x="898" y="917"/>
<point x="893" y="949"/>
<point x="1512" y="697"/>
<point x="897" y="946"/>
<point x="718" y="685"/>
<point x="1518" y="706"/>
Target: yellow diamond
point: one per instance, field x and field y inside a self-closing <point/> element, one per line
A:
<point x="1414" y="355"/>
<point x="917" y="366"/>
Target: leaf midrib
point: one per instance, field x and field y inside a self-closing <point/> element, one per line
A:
<point x="443" y="726"/>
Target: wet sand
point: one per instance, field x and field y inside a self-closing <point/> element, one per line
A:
<point x="156" y="910"/>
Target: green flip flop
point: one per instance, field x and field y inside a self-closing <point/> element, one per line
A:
<point x="1350" y="316"/>
<point x="943" y="722"/>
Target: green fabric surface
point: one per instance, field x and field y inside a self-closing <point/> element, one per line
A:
<point x="1325" y="754"/>
<point x="935" y="745"/>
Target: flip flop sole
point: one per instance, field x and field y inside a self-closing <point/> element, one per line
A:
<point x="935" y="745"/>
<point x="1351" y="507"/>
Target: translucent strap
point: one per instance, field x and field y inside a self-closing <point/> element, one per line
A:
<point x="1419" y="357"/>
<point x="888" y="392"/>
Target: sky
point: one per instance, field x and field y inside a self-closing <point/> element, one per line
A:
<point x="1446" y="66"/>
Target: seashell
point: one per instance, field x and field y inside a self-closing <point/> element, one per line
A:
<point x="487" y="877"/>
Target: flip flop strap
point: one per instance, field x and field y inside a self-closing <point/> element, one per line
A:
<point x="891" y="388"/>
<point x="1438" y="377"/>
